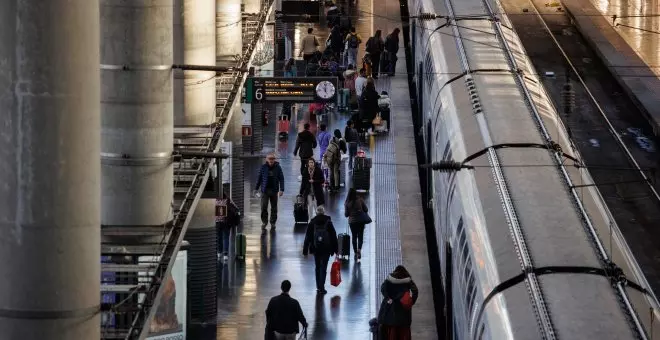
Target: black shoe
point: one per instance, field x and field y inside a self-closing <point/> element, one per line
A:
<point x="321" y="291"/>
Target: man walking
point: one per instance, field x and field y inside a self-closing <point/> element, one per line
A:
<point x="283" y="314"/>
<point x="271" y="182"/>
<point x="352" y="138"/>
<point x="320" y="240"/>
<point x="305" y="143"/>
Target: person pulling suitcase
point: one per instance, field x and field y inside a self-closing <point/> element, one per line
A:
<point x="320" y="240"/>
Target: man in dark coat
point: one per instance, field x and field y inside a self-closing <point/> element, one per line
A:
<point x="283" y="315"/>
<point x="320" y="240"/>
<point x="305" y="143"/>
<point x="271" y="182"/>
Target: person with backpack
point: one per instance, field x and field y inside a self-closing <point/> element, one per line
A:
<point x="375" y="47"/>
<point x="353" y="41"/>
<point x="399" y="295"/>
<point x="320" y="240"/>
<point x="352" y="138"/>
<point x="312" y="182"/>
<point x="305" y="143"/>
<point x="228" y="219"/>
<point x="332" y="158"/>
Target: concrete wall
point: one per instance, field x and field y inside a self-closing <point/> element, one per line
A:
<point x="229" y="29"/>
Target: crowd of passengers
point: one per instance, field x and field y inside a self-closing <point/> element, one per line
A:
<point x="337" y="57"/>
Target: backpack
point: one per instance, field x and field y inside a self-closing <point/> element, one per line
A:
<point x="331" y="153"/>
<point x="321" y="236"/>
<point x="353" y="41"/>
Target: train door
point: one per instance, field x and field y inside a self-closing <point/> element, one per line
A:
<point x="420" y="92"/>
<point x="429" y="159"/>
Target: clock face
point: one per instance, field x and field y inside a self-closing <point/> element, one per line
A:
<point x="325" y="89"/>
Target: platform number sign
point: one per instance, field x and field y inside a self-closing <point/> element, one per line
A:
<point x="293" y="90"/>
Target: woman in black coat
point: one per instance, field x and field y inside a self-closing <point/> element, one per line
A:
<point x="393" y="317"/>
<point x="369" y="105"/>
<point x="313" y="179"/>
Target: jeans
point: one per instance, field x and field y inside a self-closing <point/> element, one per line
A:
<point x="357" y="229"/>
<point x="352" y="152"/>
<point x="344" y="97"/>
<point x="224" y="233"/>
<point x="321" y="270"/>
<point x="271" y="197"/>
<point x="352" y="57"/>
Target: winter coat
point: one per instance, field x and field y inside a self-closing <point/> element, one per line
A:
<point x="351" y="135"/>
<point x="353" y="209"/>
<point x="283" y="314"/>
<point x="317" y="186"/>
<point x="305" y="144"/>
<point x="384" y="101"/>
<point x="309" y="44"/>
<point x="263" y="177"/>
<point x="394" y="314"/>
<point x="308" y="245"/>
<point x="392" y="43"/>
<point x="336" y="39"/>
<point x="233" y="214"/>
<point x="369" y="104"/>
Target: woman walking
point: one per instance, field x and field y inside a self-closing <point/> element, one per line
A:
<point x="312" y="182"/>
<point x="399" y="295"/>
<point x="356" y="211"/>
<point x="369" y="106"/>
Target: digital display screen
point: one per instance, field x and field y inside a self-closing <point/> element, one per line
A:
<point x="297" y="90"/>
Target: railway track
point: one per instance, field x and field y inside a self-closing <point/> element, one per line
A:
<point x="606" y="127"/>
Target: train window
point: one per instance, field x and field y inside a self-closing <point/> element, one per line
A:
<point x="429" y="70"/>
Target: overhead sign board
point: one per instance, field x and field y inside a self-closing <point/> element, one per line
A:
<point x="295" y="90"/>
<point x="299" y="11"/>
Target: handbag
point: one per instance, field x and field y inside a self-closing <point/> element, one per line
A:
<point x="406" y="300"/>
<point x="335" y="273"/>
<point x="378" y="120"/>
<point x="363" y="218"/>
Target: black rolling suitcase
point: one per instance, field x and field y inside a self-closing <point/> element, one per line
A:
<point x="344" y="245"/>
<point x="300" y="212"/>
<point x="362" y="173"/>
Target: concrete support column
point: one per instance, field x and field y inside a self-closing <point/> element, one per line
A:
<point x="234" y="134"/>
<point x="202" y="263"/>
<point x="252" y="6"/>
<point x="137" y="112"/>
<point x="194" y="44"/>
<point x="50" y="171"/>
<point x="229" y="38"/>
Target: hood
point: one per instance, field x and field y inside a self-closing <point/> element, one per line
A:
<point x="349" y="73"/>
<point x="384" y="96"/>
<point x="332" y="8"/>
<point x="320" y="219"/>
<point x="394" y="280"/>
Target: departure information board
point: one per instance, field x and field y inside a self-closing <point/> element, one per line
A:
<point x="295" y="90"/>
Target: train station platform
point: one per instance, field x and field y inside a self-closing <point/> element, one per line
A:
<point x="397" y="235"/>
<point x="629" y="50"/>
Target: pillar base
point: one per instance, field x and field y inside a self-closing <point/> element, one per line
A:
<point x="202" y="277"/>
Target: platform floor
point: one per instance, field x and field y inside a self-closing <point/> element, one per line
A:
<point x="630" y="54"/>
<point x="396" y="236"/>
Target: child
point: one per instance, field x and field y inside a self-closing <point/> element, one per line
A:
<point x="384" y="104"/>
<point x="366" y="64"/>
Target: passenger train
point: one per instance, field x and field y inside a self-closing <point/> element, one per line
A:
<point x="528" y="251"/>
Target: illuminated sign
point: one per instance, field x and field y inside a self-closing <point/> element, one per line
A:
<point x="296" y="90"/>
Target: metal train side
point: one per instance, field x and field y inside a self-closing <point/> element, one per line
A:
<point x="480" y="260"/>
